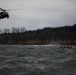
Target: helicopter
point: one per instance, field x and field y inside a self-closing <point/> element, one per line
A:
<point x="4" y="13"/>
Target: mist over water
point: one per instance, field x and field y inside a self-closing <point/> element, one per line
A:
<point x="37" y="60"/>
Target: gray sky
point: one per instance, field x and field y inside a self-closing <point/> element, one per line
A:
<point x="39" y="13"/>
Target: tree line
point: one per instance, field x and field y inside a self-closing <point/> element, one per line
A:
<point x="63" y="35"/>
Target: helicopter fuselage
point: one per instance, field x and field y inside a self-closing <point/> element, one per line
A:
<point x="4" y="14"/>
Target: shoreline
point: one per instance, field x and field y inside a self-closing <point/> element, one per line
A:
<point x="39" y="42"/>
<point x="62" y="44"/>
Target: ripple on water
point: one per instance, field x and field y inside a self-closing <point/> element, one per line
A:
<point x="37" y="60"/>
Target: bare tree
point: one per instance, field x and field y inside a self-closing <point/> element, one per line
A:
<point x="15" y="30"/>
<point x="6" y="31"/>
<point x="0" y="31"/>
<point x="23" y="35"/>
<point x="23" y="29"/>
<point x="1" y="36"/>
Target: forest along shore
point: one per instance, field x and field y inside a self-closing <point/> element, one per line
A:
<point x="55" y="35"/>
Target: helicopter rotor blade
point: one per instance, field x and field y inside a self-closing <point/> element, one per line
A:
<point x="13" y="9"/>
<point x="2" y="9"/>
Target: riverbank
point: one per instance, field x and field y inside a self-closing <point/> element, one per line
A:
<point x="33" y="42"/>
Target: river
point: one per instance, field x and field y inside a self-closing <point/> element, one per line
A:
<point x="37" y="60"/>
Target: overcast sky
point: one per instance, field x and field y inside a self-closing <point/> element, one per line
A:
<point x="37" y="14"/>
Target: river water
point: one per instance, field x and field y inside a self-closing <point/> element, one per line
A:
<point x="37" y="60"/>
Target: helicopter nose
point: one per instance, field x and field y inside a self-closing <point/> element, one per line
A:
<point x="7" y="16"/>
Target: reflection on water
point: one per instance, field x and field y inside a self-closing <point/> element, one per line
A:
<point x="37" y="60"/>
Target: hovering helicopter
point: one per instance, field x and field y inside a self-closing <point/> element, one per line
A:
<point x="4" y="13"/>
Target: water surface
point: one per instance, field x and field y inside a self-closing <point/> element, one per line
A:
<point x="37" y="60"/>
